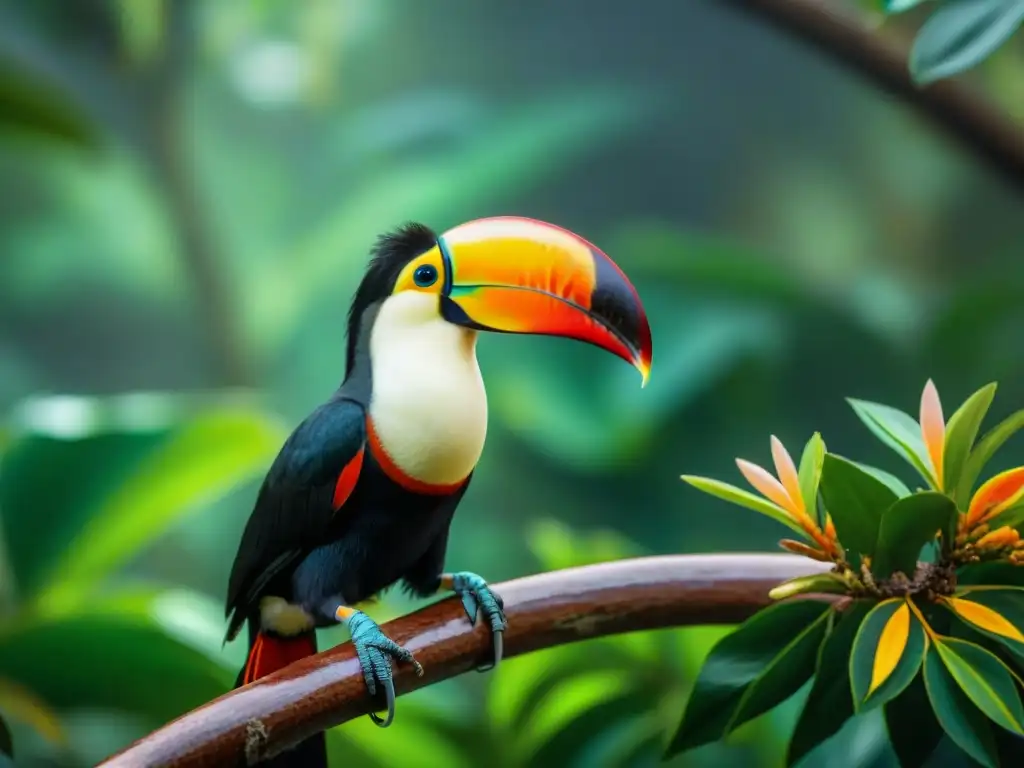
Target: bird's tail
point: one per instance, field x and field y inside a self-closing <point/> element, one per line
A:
<point x="269" y="653"/>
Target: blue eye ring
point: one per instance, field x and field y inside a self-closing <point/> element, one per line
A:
<point x="425" y="275"/>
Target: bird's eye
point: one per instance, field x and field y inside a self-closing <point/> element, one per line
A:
<point x="425" y="275"/>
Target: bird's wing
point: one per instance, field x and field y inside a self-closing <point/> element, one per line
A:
<point x="309" y="481"/>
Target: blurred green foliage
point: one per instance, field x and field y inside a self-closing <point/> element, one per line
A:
<point x="959" y="34"/>
<point x="190" y="193"/>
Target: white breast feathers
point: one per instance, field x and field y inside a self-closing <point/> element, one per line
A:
<point x="429" y="406"/>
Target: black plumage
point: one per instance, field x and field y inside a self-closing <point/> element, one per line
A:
<point x="296" y="545"/>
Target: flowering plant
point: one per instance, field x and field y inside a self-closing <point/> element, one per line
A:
<point x="926" y="618"/>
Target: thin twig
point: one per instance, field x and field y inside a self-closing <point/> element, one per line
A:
<point x="981" y="127"/>
<point x="543" y="611"/>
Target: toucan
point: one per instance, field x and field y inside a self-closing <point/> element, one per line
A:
<point x="362" y="493"/>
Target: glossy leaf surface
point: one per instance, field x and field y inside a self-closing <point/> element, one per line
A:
<point x="960" y="34"/>
<point x="739" y="660"/>
<point x="746" y="499"/>
<point x="986" y="681"/>
<point x="913" y="730"/>
<point x="886" y="655"/>
<point x="962" y="721"/>
<point x="830" y="702"/>
<point x="961" y="432"/>
<point x="856" y="501"/>
<point x="985" y="449"/>
<point x="896" y="429"/>
<point x="906" y="527"/>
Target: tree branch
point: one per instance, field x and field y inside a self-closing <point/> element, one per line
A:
<point x="981" y="127"/>
<point x="167" y="144"/>
<point x="549" y="609"/>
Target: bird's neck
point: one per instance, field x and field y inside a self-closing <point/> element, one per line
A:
<point x="428" y="405"/>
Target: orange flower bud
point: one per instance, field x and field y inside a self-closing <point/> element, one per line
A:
<point x="999" y="538"/>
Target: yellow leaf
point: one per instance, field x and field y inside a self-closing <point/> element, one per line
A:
<point x="891" y="644"/>
<point x="22" y="704"/>
<point x="984" y="617"/>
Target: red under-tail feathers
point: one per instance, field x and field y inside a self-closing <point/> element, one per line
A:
<point x="269" y="653"/>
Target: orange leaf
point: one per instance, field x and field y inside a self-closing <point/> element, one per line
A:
<point x="999" y="538"/>
<point x="999" y="493"/>
<point x="891" y="644"/>
<point x="933" y="428"/>
<point x="767" y="485"/>
<point x="984" y="617"/>
<point x="799" y="548"/>
<point x="786" y="470"/>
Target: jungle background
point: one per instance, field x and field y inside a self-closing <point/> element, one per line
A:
<point x="188" y="194"/>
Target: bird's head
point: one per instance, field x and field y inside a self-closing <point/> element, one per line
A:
<point x="506" y="275"/>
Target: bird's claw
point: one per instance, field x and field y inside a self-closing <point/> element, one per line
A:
<point x="375" y="651"/>
<point x="478" y="597"/>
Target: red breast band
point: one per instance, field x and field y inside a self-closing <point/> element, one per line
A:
<point x="395" y="473"/>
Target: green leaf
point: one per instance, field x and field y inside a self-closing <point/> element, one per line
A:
<point x="985" y="679"/>
<point x="31" y="103"/>
<point x="913" y="731"/>
<point x="830" y="702"/>
<point x="886" y="655"/>
<point x="736" y="495"/>
<point x="426" y="743"/>
<point x="784" y="675"/>
<point x="810" y="471"/>
<point x="997" y="574"/>
<point x="961" y="432"/>
<point x="963" y="722"/>
<point x="820" y="583"/>
<point x="129" y="467"/>
<point x="998" y="613"/>
<point x="960" y="34"/>
<point x="203" y="460"/>
<point x="898" y="431"/>
<point x="516" y="689"/>
<point x="156" y="654"/>
<point x="742" y="657"/>
<point x="568" y="701"/>
<point x="894" y="484"/>
<point x="985" y="450"/>
<point x="856" y="501"/>
<point x="906" y="527"/>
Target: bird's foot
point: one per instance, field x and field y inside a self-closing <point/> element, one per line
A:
<point x="375" y="651"/>
<point x="477" y="596"/>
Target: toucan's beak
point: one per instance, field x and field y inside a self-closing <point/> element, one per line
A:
<point x="516" y="275"/>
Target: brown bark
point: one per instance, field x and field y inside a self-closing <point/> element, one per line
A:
<point x="543" y="611"/>
<point x="979" y="126"/>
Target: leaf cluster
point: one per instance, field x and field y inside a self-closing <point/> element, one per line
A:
<point x="861" y="655"/>
<point x="926" y="621"/>
<point x="72" y="629"/>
